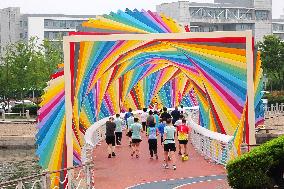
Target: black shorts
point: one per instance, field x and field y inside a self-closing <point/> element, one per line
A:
<point x="129" y="134"/>
<point x="170" y="147"/>
<point x="183" y="141"/>
<point x="118" y="134"/>
<point x="136" y="141"/>
<point x="110" y="140"/>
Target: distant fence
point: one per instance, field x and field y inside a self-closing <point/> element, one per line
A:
<point x="20" y="116"/>
<point x="81" y="177"/>
<point x="274" y="110"/>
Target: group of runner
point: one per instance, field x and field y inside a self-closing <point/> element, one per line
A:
<point x="153" y="123"/>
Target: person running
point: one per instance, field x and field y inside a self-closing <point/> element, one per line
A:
<point x="144" y="118"/>
<point x="110" y="137"/>
<point x="183" y="131"/>
<point x="127" y="115"/>
<point x="152" y="140"/>
<point x="161" y="128"/>
<point x="178" y="123"/>
<point x="165" y="115"/>
<point x="181" y="109"/>
<point x="129" y="122"/>
<point x="175" y="114"/>
<point x="136" y="129"/>
<point x="157" y="118"/>
<point x="118" y="129"/>
<point x="169" y="144"/>
<point x="150" y="121"/>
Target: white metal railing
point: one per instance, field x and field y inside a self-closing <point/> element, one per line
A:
<point x="274" y="110"/>
<point x="215" y="146"/>
<point x="81" y="177"/>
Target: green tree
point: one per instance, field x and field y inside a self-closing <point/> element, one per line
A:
<point x="27" y="66"/>
<point x="272" y="57"/>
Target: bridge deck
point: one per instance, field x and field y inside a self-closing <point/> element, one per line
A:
<point x="124" y="171"/>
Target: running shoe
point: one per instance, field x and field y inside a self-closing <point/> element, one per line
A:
<point x="179" y="153"/>
<point x="157" y="156"/>
<point x="109" y="156"/>
<point x="174" y="167"/>
<point x="113" y="154"/>
<point x="137" y="156"/>
<point x="166" y="166"/>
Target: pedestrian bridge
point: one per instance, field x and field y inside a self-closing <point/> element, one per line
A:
<point x="208" y="153"/>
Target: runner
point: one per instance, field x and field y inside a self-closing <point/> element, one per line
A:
<point x="136" y="129"/>
<point x="181" y="110"/>
<point x="129" y="122"/>
<point x="127" y="115"/>
<point x="183" y="131"/>
<point x="144" y="118"/>
<point x="152" y="140"/>
<point x="118" y="129"/>
<point x="169" y="144"/>
<point x="157" y="118"/>
<point x="150" y="121"/>
<point x="178" y="123"/>
<point x="110" y="137"/>
<point x="165" y="115"/>
<point x="175" y="114"/>
<point x="161" y="128"/>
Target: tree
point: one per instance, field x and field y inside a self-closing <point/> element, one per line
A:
<point x="27" y="66"/>
<point x="272" y="57"/>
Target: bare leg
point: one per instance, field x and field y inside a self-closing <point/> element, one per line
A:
<point x="166" y="157"/>
<point x="137" y="149"/>
<point x="109" y="149"/>
<point x="173" y="158"/>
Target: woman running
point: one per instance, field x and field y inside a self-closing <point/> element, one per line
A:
<point x="152" y="140"/>
<point x="136" y="129"/>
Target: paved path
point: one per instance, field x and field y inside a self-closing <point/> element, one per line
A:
<point x="126" y="172"/>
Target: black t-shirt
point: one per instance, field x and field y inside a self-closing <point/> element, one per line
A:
<point x="175" y="115"/>
<point x="165" y="116"/>
<point x="110" y="128"/>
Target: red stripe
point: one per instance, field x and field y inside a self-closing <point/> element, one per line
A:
<point x="211" y="40"/>
<point x="72" y="54"/>
<point x="57" y="74"/>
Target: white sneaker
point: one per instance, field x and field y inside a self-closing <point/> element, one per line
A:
<point x="166" y="166"/>
<point x="174" y="167"/>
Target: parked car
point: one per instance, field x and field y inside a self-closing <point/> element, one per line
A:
<point x="28" y="102"/>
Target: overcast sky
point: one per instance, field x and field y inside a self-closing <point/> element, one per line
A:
<point x="95" y="7"/>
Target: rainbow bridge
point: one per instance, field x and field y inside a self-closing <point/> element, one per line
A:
<point x="135" y="59"/>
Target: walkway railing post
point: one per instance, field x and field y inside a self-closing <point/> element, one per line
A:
<point x="3" y="115"/>
<point x="20" y="185"/>
<point x="89" y="177"/>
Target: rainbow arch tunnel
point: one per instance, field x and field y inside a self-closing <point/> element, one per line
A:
<point x="109" y="76"/>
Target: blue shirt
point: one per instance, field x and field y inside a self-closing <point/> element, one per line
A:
<point x="126" y="116"/>
<point x="170" y="134"/>
<point x="161" y="127"/>
<point x="136" y="130"/>
<point x="152" y="132"/>
<point x="157" y="119"/>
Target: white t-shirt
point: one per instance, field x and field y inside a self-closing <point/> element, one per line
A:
<point x="144" y="116"/>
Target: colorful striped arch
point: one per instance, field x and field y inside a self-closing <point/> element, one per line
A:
<point x="138" y="58"/>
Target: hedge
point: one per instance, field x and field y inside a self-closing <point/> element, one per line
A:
<point x="19" y="108"/>
<point x="261" y="168"/>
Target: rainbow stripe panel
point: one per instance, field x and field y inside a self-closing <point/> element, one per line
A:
<point x="108" y="77"/>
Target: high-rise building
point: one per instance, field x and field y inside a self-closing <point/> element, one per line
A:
<point x="278" y="27"/>
<point x="15" y="26"/>
<point x="223" y="15"/>
<point x="9" y="26"/>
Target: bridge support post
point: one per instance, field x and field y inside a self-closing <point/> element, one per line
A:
<point x="250" y="138"/>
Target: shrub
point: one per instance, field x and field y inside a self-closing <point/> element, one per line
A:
<point x="261" y="168"/>
<point x="32" y="108"/>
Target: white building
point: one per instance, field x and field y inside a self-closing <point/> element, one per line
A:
<point x="223" y="15"/>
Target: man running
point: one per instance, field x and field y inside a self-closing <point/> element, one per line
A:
<point x="130" y="121"/>
<point x="118" y="129"/>
<point x="175" y="114"/>
<point x="161" y="128"/>
<point x="136" y="129"/>
<point x="127" y="115"/>
<point x="157" y="118"/>
<point x="165" y="115"/>
<point x="110" y="137"/>
<point x="150" y="121"/>
<point x="144" y="118"/>
<point x="169" y="144"/>
<point x="178" y="123"/>
<point x="183" y="131"/>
